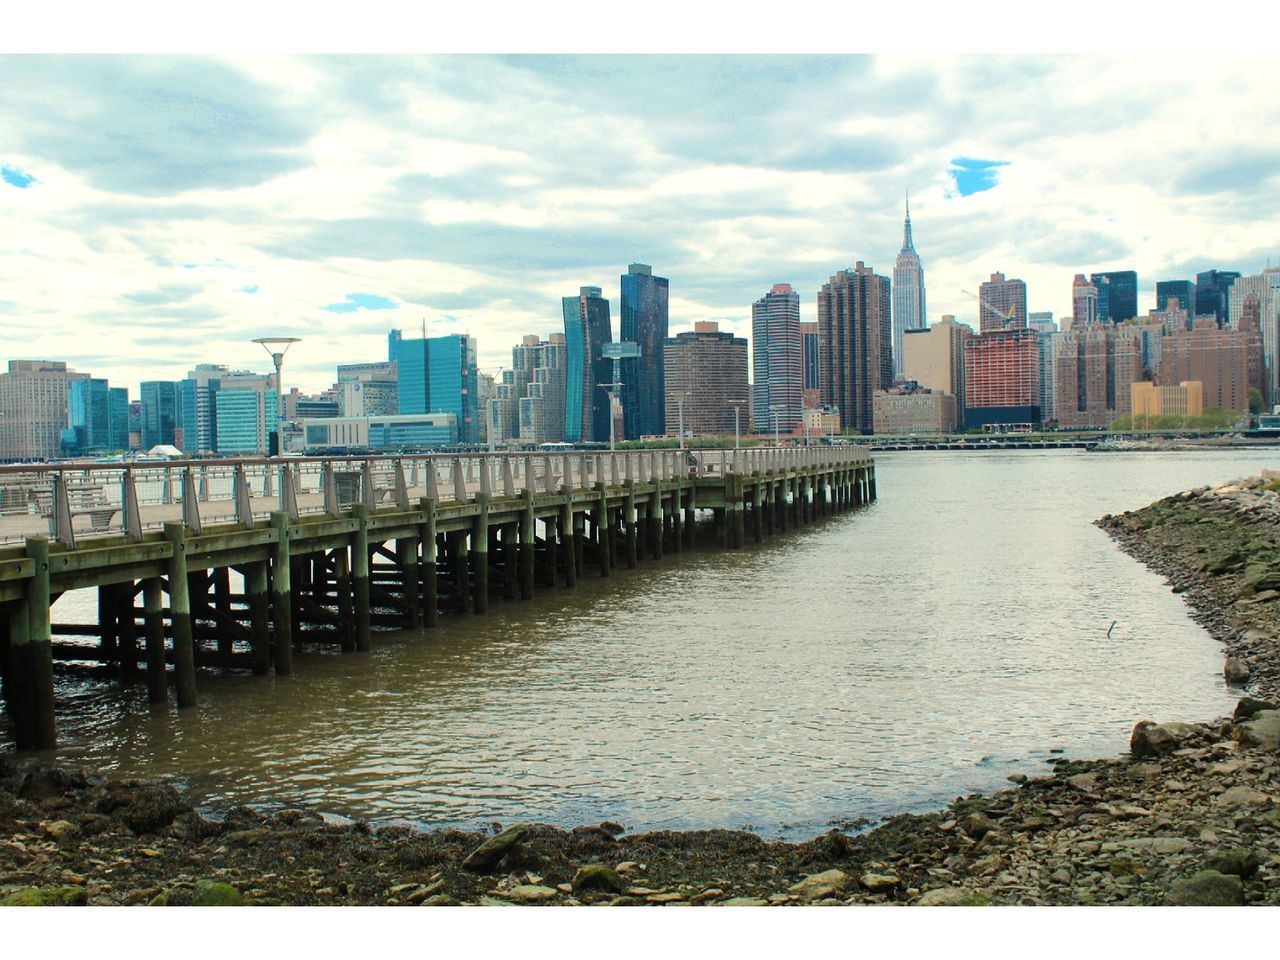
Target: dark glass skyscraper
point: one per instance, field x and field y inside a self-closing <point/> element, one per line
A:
<point x="1211" y="293"/>
<point x="159" y="412"/>
<point x="644" y="322"/>
<point x="586" y="328"/>
<point x="1184" y="291"/>
<point x="1117" y="295"/>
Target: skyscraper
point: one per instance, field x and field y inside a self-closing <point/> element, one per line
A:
<point x="908" y="293"/>
<point x="1212" y="296"/>
<point x="856" y="343"/>
<point x="1096" y="367"/>
<point x="1084" y="302"/>
<point x="934" y="358"/>
<point x="88" y="417"/>
<point x="33" y="408"/>
<point x="778" y="361"/>
<point x="1184" y="291"/>
<point x="1117" y="295"/>
<point x="1002" y="304"/>
<point x="643" y="310"/>
<point x="197" y="396"/>
<point x="812" y="359"/>
<point x="541" y="413"/>
<point x="118" y="418"/>
<point x="438" y="375"/>
<point x="708" y="367"/>
<point x="586" y="329"/>
<point x="1002" y="378"/>
<point x="159" y="412"/>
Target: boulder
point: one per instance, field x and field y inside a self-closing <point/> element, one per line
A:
<point x="491" y="852"/>
<point x="821" y="885"/>
<point x="879" y="882"/>
<point x="145" y="807"/>
<point x="60" y="830"/>
<point x="531" y="893"/>
<point x="1157" y="739"/>
<point x="1241" y="796"/>
<point x="1236" y="671"/>
<point x="214" y="893"/>
<point x="977" y="825"/>
<point x="1236" y="861"/>
<point x="1246" y="707"/>
<point x="597" y="876"/>
<point x="1208" y="888"/>
<point x="744" y="902"/>
<point x="1262" y="730"/>
<point x="953" y="897"/>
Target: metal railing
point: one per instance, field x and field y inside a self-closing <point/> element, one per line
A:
<point x="72" y="502"/>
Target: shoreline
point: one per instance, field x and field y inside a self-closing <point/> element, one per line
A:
<point x="1140" y="829"/>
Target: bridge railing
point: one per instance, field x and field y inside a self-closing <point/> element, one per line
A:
<point x="72" y="502"/>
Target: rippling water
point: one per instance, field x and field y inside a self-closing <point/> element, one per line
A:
<point x="953" y="633"/>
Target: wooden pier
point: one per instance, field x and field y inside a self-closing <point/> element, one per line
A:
<point x="327" y="550"/>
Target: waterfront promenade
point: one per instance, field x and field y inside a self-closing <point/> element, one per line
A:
<point x="327" y="549"/>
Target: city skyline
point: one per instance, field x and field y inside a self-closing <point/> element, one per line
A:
<point x="336" y="198"/>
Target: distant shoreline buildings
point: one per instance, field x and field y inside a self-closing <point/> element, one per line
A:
<point x="870" y="362"/>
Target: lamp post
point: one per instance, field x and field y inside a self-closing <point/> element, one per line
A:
<point x="737" y="429"/>
<point x="680" y="405"/>
<point x="773" y="409"/>
<point x="609" y="388"/>
<point x="277" y="347"/>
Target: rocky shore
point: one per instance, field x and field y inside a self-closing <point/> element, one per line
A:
<point x="1190" y="816"/>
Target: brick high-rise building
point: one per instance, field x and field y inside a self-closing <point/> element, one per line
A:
<point x="1249" y="322"/>
<point x="1084" y="303"/>
<point x="1095" y="367"/>
<point x="856" y="343"/>
<point x="1217" y="357"/>
<point x="1002" y="304"/>
<point x="778" y="361"/>
<point x="33" y="408"/>
<point x="1002" y="378"/>
<point x="708" y="368"/>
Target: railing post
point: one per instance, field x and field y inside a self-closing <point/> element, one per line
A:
<point x="60" y="527"/>
<point x="402" y="487"/>
<point x="433" y="482"/>
<point x="240" y="484"/>
<point x="508" y="477"/>
<point x="288" y="492"/>
<point x="459" y="483"/>
<point x="329" y="482"/>
<point x="190" y="503"/>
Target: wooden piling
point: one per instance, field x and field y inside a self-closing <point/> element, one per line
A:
<point x="411" y="576"/>
<point x="281" y="598"/>
<point x="259" y="599"/>
<point x="629" y="525"/>
<point x="153" y="623"/>
<point x="184" y="660"/>
<point x="527" y="546"/>
<point x="480" y="554"/>
<point x="360" y="577"/>
<point x="570" y="541"/>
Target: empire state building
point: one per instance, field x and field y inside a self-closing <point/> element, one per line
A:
<point x="908" y="293"/>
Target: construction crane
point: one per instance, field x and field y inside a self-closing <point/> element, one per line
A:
<point x="1007" y="317"/>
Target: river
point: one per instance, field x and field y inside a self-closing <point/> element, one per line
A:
<point x="965" y="627"/>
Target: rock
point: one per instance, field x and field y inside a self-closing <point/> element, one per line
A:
<point x="744" y="902"/>
<point x="248" y="838"/>
<point x="531" y="893"/>
<point x="597" y="876"/>
<point x="60" y="830"/>
<point x="628" y="867"/>
<point x="1018" y="778"/>
<point x="1241" y="796"/>
<point x="879" y="882"/>
<point x="1248" y="706"/>
<point x="1262" y="730"/>
<point x="821" y="885"/>
<point x="1157" y="739"/>
<point x="1237" y="862"/>
<point x="214" y="893"/>
<point x="1086" y="782"/>
<point x="1236" y="672"/>
<point x="977" y="825"/>
<point x="953" y="897"/>
<point x="144" y="807"/>
<point x="161" y="899"/>
<point x="440" y="900"/>
<point x="1208" y="888"/>
<point x="1061" y="875"/>
<point x="670" y="897"/>
<point x="70" y="896"/>
<point x="491" y="852"/>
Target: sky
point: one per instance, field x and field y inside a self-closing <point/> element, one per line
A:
<point x="165" y="210"/>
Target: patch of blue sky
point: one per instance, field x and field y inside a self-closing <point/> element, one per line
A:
<point x="974" y="176"/>
<point x="17" y="178"/>
<point x="361" y="301"/>
<point x="252" y="288"/>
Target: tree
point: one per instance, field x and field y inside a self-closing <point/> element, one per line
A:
<point x="1255" y="400"/>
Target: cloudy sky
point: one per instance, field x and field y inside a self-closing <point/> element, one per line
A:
<point x="161" y="211"/>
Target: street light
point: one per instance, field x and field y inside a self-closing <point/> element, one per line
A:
<point x="773" y="409"/>
<point x="680" y="405"/>
<point x="277" y="357"/>
<point x="609" y="388"/>
<point x="737" y="430"/>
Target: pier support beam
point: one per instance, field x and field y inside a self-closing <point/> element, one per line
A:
<point x="153" y="619"/>
<point x="629" y="525"/>
<point x="757" y="503"/>
<point x="568" y="541"/>
<point x="410" y="577"/>
<point x="184" y="660"/>
<point x="480" y="555"/>
<point x="528" y="545"/>
<point x="360" y="577"/>
<point x="653" y="522"/>
<point x="551" y="550"/>
<point x="281" y="598"/>
<point x="255" y="586"/>
<point x="430" y="585"/>
<point x="603" y="533"/>
<point x="30" y="678"/>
